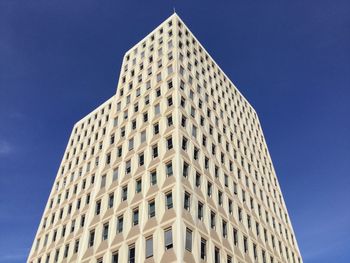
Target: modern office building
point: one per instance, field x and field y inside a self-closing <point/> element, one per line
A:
<point x="173" y="168"/>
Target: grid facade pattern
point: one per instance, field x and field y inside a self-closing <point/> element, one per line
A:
<point x="173" y="168"/>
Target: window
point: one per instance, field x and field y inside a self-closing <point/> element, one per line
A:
<point x="82" y="221"/>
<point x="105" y="232"/>
<point x="187" y="201"/>
<point x="151" y="209"/>
<point x="198" y="179"/>
<point x="245" y="244"/>
<point x="98" y="207"/>
<point x="147" y="99"/>
<point x="91" y="238"/>
<point x="57" y="255"/>
<point x="184" y="143"/>
<point x="103" y="181"/>
<point x="185" y="170"/>
<point x="240" y="214"/>
<point x="120" y="151"/>
<point x="131" y="144"/>
<point x="141" y="159"/>
<point x="128" y="167"/>
<point x="195" y="153"/>
<point x="143" y="136"/>
<point x="224" y="229"/>
<point x="209" y="189"/>
<point x="188" y="244"/>
<point x="235" y="237"/>
<point x="170" y="101"/>
<point x="156" y="128"/>
<point x="200" y="211"/>
<point x="220" y="198"/>
<point x="115" y="174"/>
<point x="255" y="252"/>
<point x="115" y="257"/>
<point x="149" y="247"/>
<point x="138" y="185"/>
<point x="155" y="151"/>
<point x="169" y="169"/>
<point x="76" y="246"/>
<point x="170" y="84"/>
<point x="212" y="220"/>
<point x="108" y="158"/>
<point x="131" y="254"/>
<point x="154" y="177"/>
<point x="170" y="120"/>
<point x="169" y="143"/>
<point x="203" y="248"/>
<point x="135" y="217"/>
<point x="120" y="221"/>
<point x="66" y="249"/>
<point x="217" y="255"/>
<point x="169" y="200"/>
<point x="168" y="238"/>
<point x="156" y="109"/>
<point x="124" y="193"/>
<point x="230" y="206"/>
<point x="194" y="131"/>
<point x="110" y="200"/>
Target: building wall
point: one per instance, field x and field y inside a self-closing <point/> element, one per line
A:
<point x="166" y="78"/>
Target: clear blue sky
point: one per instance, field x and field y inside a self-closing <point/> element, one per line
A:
<point x="291" y="59"/>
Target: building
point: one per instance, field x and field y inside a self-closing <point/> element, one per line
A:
<point x="173" y="168"/>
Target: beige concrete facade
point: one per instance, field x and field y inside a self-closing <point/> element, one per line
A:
<point x="173" y="168"/>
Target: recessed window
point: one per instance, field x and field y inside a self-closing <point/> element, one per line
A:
<point x="151" y="209"/>
<point x="200" y="211"/>
<point x="115" y="257"/>
<point x="169" y="143"/>
<point x="235" y="237"/>
<point x="128" y="167"/>
<point x="198" y="179"/>
<point x="157" y="109"/>
<point x="131" y="144"/>
<point x="187" y="198"/>
<point x="217" y="255"/>
<point x="98" y="207"/>
<point x="131" y="257"/>
<point x="149" y="247"/>
<point x="110" y="200"/>
<point x="224" y="228"/>
<point x="169" y="200"/>
<point x="155" y="151"/>
<point x="168" y="238"/>
<point x="105" y="231"/>
<point x="245" y="244"/>
<point x="91" y="238"/>
<point x="135" y="217"/>
<point x="124" y="193"/>
<point x="169" y="169"/>
<point x="185" y="170"/>
<point x="156" y="128"/>
<point x="141" y="159"/>
<point x="120" y="222"/>
<point x="170" y="120"/>
<point x="184" y="143"/>
<point x="203" y="250"/>
<point x="188" y="243"/>
<point x="212" y="220"/>
<point x="138" y="185"/>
